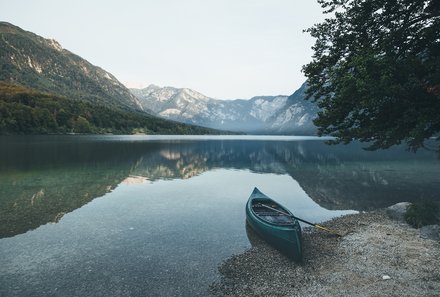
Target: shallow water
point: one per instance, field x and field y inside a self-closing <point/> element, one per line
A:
<point x="156" y="215"/>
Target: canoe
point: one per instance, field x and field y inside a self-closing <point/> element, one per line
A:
<point x="275" y="224"/>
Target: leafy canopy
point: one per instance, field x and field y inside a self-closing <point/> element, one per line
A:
<point x="375" y="72"/>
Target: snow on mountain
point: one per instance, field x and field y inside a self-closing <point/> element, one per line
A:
<point x="264" y="109"/>
<point x="262" y="114"/>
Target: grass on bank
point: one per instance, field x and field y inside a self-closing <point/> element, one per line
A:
<point x="424" y="213"/>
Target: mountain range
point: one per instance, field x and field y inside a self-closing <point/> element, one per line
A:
<point x="47" y="89"/>
<point x="262" y="114"/>
<point x="53" y="79"/>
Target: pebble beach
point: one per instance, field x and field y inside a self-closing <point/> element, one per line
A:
<point x="375" y="256"/>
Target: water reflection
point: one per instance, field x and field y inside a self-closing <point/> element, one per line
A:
<point x="253" y="237"/>
<point x="43" y="178"/>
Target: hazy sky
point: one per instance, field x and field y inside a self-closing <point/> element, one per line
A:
<point x="225" y="49"/>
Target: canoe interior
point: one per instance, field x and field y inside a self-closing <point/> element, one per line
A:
<point x="271" y="215"/>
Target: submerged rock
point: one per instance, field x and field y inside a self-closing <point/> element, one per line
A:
<point x="397" y="211"/>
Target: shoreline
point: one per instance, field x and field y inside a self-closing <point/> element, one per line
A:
<point x="376" y="256"/>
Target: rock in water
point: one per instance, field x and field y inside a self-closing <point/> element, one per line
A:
<point x="397" y="211"/>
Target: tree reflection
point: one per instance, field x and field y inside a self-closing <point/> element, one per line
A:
<point x="44" y="178"/>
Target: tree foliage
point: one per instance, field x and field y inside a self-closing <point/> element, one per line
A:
<point x="375" y="72"/>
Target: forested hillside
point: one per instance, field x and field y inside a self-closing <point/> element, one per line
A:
<point x="27" y="111"/>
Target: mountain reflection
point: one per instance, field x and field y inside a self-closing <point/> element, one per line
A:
<point x="44" y="178"/>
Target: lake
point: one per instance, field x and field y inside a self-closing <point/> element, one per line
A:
<point x="157" y="215"/>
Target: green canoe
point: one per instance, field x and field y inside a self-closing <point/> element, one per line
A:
<point x="275" y="224"/>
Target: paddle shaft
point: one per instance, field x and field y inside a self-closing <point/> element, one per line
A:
<point x="301" y="220"/>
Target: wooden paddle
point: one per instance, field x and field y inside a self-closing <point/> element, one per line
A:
<point x="301" y="220"/>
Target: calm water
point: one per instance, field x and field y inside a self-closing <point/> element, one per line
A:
<point x="156" y="216"/>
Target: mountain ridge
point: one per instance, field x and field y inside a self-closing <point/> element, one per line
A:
<point x="261" y="114"/>
<point x="39" y="63"/>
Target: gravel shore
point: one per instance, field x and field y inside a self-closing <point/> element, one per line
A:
<point x="376" y="256"/>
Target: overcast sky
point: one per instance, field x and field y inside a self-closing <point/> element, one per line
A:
<point x="225" y="49"/>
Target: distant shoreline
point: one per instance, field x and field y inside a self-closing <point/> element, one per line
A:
<point x="232" y="136"/>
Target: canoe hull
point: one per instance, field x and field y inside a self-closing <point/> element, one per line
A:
<point x="285" y="238"/>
